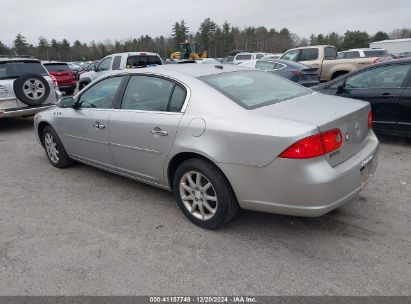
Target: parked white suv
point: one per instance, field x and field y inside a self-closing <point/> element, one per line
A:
<point x="382" y="54"/>
<point x="120" y="61"/>
<point x="242" y="57"/>
<point x="25" y="87"/>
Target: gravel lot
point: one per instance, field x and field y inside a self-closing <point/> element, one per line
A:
<point x="84" y="231"/>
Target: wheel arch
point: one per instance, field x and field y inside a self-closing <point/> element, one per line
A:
<point x="42" y="125"/>
<point x="181" y="157"/>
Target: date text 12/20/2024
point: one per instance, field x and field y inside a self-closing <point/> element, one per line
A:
<point x="200" y="299"/>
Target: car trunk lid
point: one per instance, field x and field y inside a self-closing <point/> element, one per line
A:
<point x="327" y="113"/>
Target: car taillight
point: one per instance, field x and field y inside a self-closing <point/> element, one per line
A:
<point x="297" y="73"/>
<point x="315" y="145"/>
<point x="54" y="80"/>
<point x="376" y="60"/>
<point x="369" y="120"/>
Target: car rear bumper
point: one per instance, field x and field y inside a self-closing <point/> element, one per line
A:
<point x="309" y="187"/>
<point x="24" y="111"/>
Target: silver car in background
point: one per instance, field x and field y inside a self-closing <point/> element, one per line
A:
<point x="220" y="137"/>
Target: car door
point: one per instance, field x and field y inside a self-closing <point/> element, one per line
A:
<point x="85" y="128"/>
<point x="404" y="117"/>
<point x="144" y="125"/>
<point x="382" y="86"/>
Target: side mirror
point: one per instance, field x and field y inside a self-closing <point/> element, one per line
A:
<point x="66" y="102"/>
<point x="341" y="89"/>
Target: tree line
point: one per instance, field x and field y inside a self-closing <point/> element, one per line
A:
<point x="217" y="40"/>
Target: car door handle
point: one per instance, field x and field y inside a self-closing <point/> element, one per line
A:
<point x="388" y="95"/>
<point x="99" y="125"/>
<point x="158" y="131"/>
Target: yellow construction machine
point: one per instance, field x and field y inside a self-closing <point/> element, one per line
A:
<point x="188" y="51"/>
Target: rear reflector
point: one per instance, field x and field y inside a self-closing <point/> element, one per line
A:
<point x="54" y="80"/>
<point x="369" y="120"/>
<point x="315" y="145"/>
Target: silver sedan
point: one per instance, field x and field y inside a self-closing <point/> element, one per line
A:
<point x="219" y="137"/>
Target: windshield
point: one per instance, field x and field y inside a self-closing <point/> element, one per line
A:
<point x="254" y="89"/>
<point x="16" y="68"/>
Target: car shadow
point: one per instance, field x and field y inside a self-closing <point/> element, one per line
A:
<point x="16" y="124"/>
<point x="394" y="140"/>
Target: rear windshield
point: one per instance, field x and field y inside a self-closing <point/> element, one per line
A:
<point x="57" y="67"/>
<point x="142" y="61"/>
<point x="254" y="89"/>
<point x="17" y="68"/>
<point x="243" y="57"/>
<point x="376" y="53"/>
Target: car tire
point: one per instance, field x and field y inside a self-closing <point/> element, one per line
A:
<point x="54" y="148"/>
<point x="211" y="207"/>
<point x="31" y="89"/>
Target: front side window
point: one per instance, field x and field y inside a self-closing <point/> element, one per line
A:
<point x="259" y="56"/>
<point x="244" y="57"/>
<point x="254" y="89"/>
<point x="381" y="77"/>
<point x="104" y="65"/>
<point x="147" y="93"/>
<point x="309" y="54"/>
<point x="291" y="55"/>
<point x="101" y="95"/>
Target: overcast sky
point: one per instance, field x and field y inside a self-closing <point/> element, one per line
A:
<point x="99" y="20"/>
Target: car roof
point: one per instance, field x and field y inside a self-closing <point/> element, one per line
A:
<point x="192" y="70"/>
<point x="135" y="54"/>
<point x="53" y="62"/>
<point x="366" y="49"/>
<point x="17" y="59"/>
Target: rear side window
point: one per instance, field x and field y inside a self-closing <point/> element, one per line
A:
<point x="353" y="54"/>
<point x="265" y="65"/>
<point x="142" y="61"/>
<point x="330" y="53"/>
<point x="259" y="56"/>
<point x="309" y="54"/>
<point x="147" y="93"/>
<point x="57" y="67"/>
<point x="17" y="68"/>
<point x="177" y="100"/>
<point x="254" y="89"/>
<point x="116" y="63"/>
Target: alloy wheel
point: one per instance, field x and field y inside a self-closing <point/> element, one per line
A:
<point x="51" y="148"/>
<point x="198" y="195"/>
